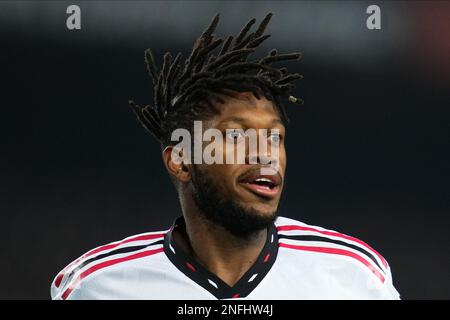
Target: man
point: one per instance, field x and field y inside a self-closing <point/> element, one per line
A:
<point x="229" y="243"/>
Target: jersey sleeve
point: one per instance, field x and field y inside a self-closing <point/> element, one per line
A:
<point x="391" y="292"/>
<point x="64" y="287"/>
<point x="77" y="293"/>
<point x="378" y="290"/>
<point x="68" y="286"/>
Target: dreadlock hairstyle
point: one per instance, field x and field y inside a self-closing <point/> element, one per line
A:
<point x="191" y="92"/>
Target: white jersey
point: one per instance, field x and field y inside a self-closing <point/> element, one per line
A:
<point x="298" y="261"/>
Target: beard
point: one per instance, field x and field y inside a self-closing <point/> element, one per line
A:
<point x="242" y="222"/>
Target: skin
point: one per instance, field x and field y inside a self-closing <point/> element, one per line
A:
<point x="220" y="252"/>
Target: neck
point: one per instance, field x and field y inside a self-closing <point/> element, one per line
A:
<point x="216" y="249"/>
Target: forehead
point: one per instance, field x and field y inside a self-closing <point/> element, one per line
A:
<point x="251" y="111"/>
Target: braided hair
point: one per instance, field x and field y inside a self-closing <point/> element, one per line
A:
<point x="191" y="92"/>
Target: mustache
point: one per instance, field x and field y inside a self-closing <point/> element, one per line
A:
<point x="255" y="171"/>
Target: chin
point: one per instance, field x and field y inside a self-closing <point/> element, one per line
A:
<point x="256" y="204"/>
<point x="265" y="210"/>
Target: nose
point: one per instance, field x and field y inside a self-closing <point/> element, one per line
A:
<point x="260" y="159"/>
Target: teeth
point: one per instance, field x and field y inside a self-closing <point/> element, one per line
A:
<point x="263" y="180"/>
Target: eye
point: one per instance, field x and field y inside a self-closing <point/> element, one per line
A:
<point x="275" y="137"/>
<point x="234" y="134"/>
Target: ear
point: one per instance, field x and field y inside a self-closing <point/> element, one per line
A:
<point x="179" y="171"/>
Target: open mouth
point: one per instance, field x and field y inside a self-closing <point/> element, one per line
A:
<point x="267" y="186"/>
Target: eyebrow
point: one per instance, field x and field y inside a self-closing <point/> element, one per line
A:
<point x="242" y="120"/>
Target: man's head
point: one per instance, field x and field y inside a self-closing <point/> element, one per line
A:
<point x="230" y="93"/>
<point x="237" y="196"/>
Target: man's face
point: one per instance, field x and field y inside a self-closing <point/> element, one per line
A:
<point x="237" y="195"/>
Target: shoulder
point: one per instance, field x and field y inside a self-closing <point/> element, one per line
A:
<point x="350" y="252"/>
<point x="294" y="234"/>
<point x="102" y="259"/>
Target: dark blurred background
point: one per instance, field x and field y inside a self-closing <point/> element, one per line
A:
<point x="368" y="153"/>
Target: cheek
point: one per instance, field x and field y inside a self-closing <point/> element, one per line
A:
<point x="283" y="157"/>
<point x="222" y="175"/>
<point x="282" y="161"/>
<point x="234" y="152"/>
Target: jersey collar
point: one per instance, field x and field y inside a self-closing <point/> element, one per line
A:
<point x="197" y="273"/>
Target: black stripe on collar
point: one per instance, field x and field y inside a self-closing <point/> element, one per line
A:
<point x="200" y="275"/>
